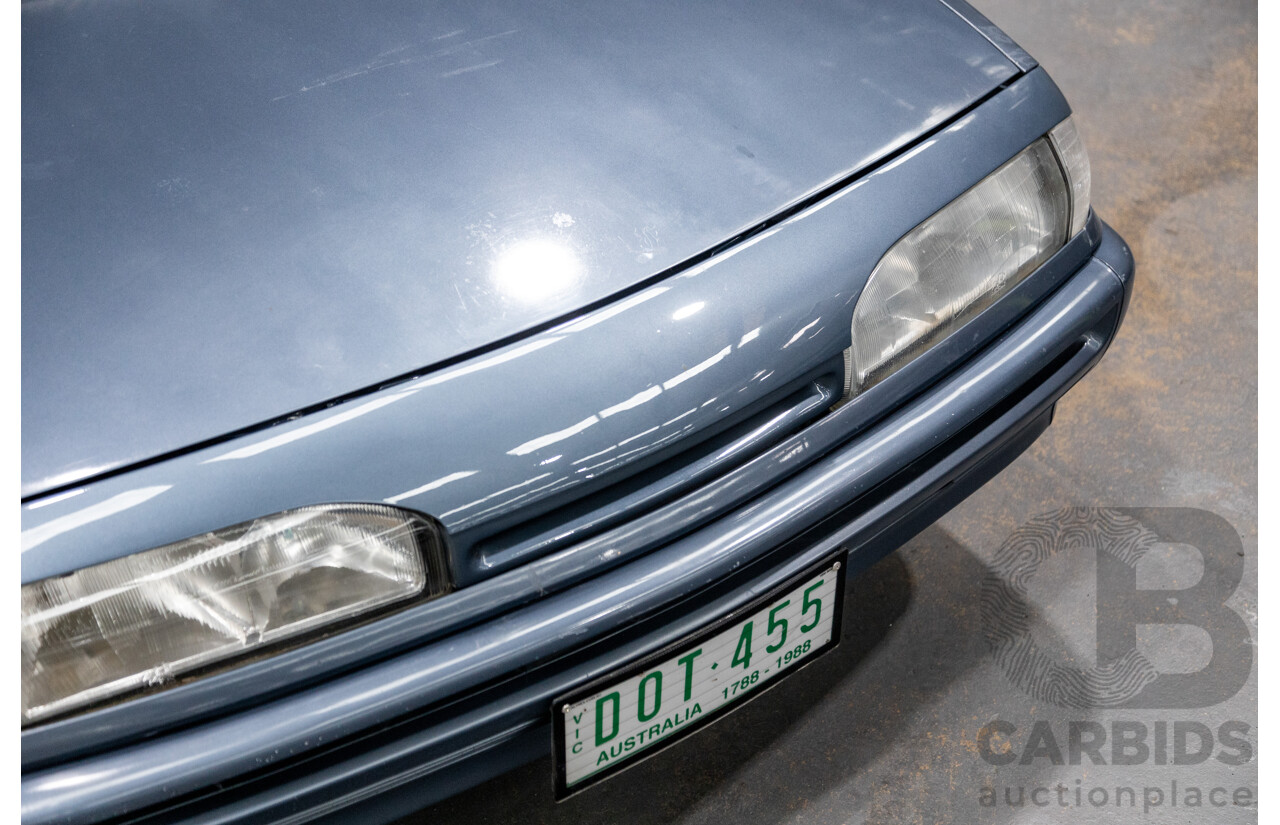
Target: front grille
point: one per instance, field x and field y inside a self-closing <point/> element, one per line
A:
<point x="631" y="491"/>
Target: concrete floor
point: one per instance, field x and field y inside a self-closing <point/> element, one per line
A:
<point x="885" y="729"/>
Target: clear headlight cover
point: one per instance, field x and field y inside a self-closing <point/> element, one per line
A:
<point x="141" y="620"/>
<point x="957" y="263"/>
<point x="1070" y="149"/>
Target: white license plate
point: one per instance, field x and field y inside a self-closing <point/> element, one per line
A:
<point x="638" y="710"/>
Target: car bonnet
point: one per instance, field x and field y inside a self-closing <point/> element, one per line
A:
<point x="235" y="211"/>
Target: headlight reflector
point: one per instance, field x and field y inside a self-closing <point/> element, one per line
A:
<point x="142" y="619"/>
<point x="958" y="262"/>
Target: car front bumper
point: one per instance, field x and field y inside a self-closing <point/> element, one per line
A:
<point x="391" y="737"/>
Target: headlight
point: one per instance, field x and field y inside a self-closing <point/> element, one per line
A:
<point x="975" y="249"/>
<point x="1070" y="149"/>
<point x="143" y="619"/>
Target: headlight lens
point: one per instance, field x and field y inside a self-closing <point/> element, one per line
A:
<point x="958" y="262"/>
<point x="143" y="619"/>
<point x="1070" y="149"/>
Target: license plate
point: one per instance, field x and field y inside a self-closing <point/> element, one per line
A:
<point x="603" y="727"/>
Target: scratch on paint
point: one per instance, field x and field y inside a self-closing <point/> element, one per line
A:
<point x="380" y="62"/>
<point x="471" y="68"/>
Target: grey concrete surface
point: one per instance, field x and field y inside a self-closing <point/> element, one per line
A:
<point x="886" y="728"/>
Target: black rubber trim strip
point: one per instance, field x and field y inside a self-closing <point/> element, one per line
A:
<point x="1017" y="55"/>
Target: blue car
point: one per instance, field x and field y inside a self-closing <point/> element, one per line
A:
<point x="412" y="390"/>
